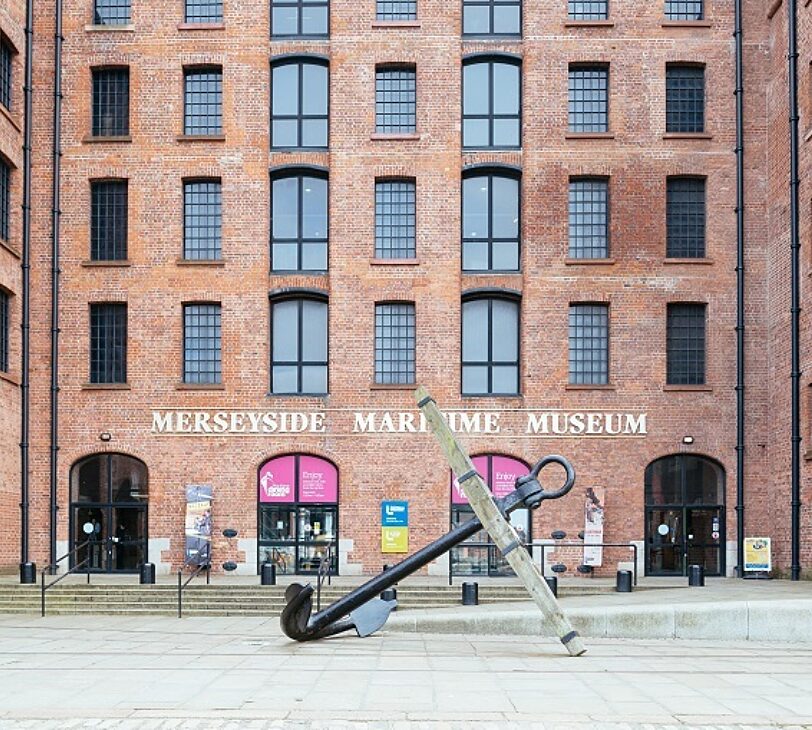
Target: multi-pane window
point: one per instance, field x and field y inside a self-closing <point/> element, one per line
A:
<point x="588" y="9"/>
<point x="684" y="9"/>
<point x="108" y="343"/>
<point x="111" y="12"/>
<point x="204" y="11"/>
<point x="491" y="105"/>
<point x="299" y="347"/>
<point x="490" y="347"/>
<point x="6" y="58"/>
<point x="299" y="223"/>
<point x="299" y="18"/>
<point x="684" y="98"/>
<point x="396" y="9"/>
<point x="203" y="101"/>
<point x="492" y="17"/>
<point x="395" y="100"/>
<point x="111" y="102"/>
<point x="5" y="199"/>
<point x="685" y="217"/>
<point x="394" y="344"/>
<point x="5" y="330"/>
<point x="202" y="220"/>
<point x="395" y="219"/>
<point x="490" y="223"/>
<point x="202" y="355"/>
<point x="589" y="218"/>
<point x="108" y="220"/>
<point x="299" y="99"/>
<point x="589" y="99"/>
<point x="685" y="344"/>
<point x="589" y="344"/>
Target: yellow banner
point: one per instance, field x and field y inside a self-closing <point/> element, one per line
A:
<point x="394" y="539"/>
<point x="757" y="554"/>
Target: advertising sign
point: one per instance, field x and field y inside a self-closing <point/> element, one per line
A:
<point x="394" y="513"/>
<point x="757" y="554"/>
<point x="198" y="523"/>
<point x="277" y="479"/>
<point x="593" y="525"/>
<point x="318" y="480"/>
<point x="394" y="539"/>
<point x="503" y="480"/>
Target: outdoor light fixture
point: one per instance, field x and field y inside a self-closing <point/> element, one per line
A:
<point x="105" y="436"/>
<point x="687" y="439"/>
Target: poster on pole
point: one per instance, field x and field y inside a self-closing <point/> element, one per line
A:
<point x="757" y="554"/>
<point x="198" y="524"/>
<point x="593" y="525"/>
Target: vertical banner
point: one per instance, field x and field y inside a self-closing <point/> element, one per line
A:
<point x="757" y="554"/>
<point x="198" y="523"/>
<point x="593" y="525"/>
<point x="395" y="526"/>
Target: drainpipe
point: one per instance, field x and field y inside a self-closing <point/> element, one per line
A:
<point x="28" y="570"/>
<point x="739" y="93"/>
<point x="55" y="271"/>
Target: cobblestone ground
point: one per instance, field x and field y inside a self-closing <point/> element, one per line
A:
<point x="131" y="672"/>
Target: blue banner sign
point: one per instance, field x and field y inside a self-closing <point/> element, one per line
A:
<point x="395" y="513"/>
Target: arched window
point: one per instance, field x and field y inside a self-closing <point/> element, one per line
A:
<point x="299" y="224"/>
<point x="297" y="512"/>
<point x="491" y="220"/>
<point x="477" y="556"/>
<point x="109" y="494"/>
<point x="299" y="103"/>
<point x="685" y="516"/>
<point x="492" y="103"/>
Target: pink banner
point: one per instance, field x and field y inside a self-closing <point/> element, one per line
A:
<point x="276" y="480"/>
<point x="503" y="479"/>
<point x="318" y="480"/>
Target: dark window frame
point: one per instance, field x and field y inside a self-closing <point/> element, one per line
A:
<point x="389" y="108"/>
<point x="114" y="248"/>
<point x="120" y="12"/>
<point x="192" y="123"/>
<point x="492" y="117"/>
<point x="387" y="10"/>
<point x="300" y="6"/>
<point x="575" y="112"/>
<point x="686" y="356"/>
<point x="490" y="297"/>
<point x="686" y="240"/>
<point x="215" y="243"/>
<point x="5" y="200"/>
<point x="7" y="54"/>
<point x="575" y="251"/>
<point x="684" y="98"/>
<point x="579" y="374"/>
<point x="108" y="342"/>
<point x="300" y="363"/>
<point x="300" y="116"/>
<point x="202" y="11"/>
<point x="586" y="10"/>
<point x="407" y="374"/>
<point x="215" y="373"/>
<point x="684" y="9"/>
<point x="381" y="225"/>
<point x="109" y="100"/>
<point x="6" y="298"/>
<point x="491" y="5"/>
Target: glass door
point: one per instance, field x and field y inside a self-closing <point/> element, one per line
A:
<point x="317" y="530"/>
<point x="91" y="525"/>
<point x="703" y="529"/>
<point x="127" y="544"/>
<point x="665" y="542"/>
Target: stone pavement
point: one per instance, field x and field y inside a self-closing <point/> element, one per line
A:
<point x="239" y="672"/>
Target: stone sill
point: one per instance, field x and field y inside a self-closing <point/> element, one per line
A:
<point x="396" y="24"/>
<point x="200" y="386"/>
<point x="411" y="137"/>
<point x="773" y="9"/>
<point x="589" y="23"/>
<point x="808" y="455"/>
<point x="105" y="386"/>
<point x="589" y="262"/>
<point x="392" y="386"/>
<point x="8" y="247"/>
<point x="124" y="28"/>
<point x="90" y="139"/>
<point x="394" y="262"/>
<point x="201" y="262"/>
<point x="201" y="138"/>
<point x="687" y="135"/>
<point x="10" y="378"/>
<point x="686" y="24"/>
<point x="687" y="388"/>
<point x="690" y="262"/>
<point x="201" y="26"/>
<point x="12" y="118"/>
<point x="589" y="386"/>
<point x="123" y="263"/>
<point x="589" y="135"/>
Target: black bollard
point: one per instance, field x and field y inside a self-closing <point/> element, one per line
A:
<point x="552" y="584"/>
<point x="147" y="574"/>
<point x="28" y="573"/>
<point x="470" y="594"/>
<point x="696" y="575"/>
<point x="267" y="575"/>
<point x="624" y="581"/>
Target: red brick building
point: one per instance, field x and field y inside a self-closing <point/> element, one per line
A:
<point x="275" y="218"/>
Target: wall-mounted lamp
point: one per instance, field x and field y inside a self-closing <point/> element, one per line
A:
<point x="687" y="439"/>
<point x="105" y="436"/>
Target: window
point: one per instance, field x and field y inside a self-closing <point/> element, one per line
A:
<point x="491" y="17"/>
<point x="299" y="18"/>
<point x="589" y="218"/>
<point x="203" y="101"/>
<point x="5" y="199"/>
<point x="490" y="222"/>
<point x="588" y="9"/>
<point x="683" y="9"/>
<point x="299" y="347"/>
<point x="589" y="344"/>
<point x="108" y="343"/>
<point x="685" y="344"/>
<point x="395" y="100"/>
<point x="204" y="11"/>
<point x="397" y="10"/>
<point x="589" y="99"/>
<point x="684" y="98"/>
<point x="202" y="220"/>
<point x="111" y="102"/>
<point x="491" y="107"/>
<point x="108" y="220"/>
<point x="111" y="12"/>
<point x="202" y="357"/>
<point x="5" y="330"/>
<point x="490" y="346"/>
<point x="395" y="219"/>
<point x="299" y="223"/>
<point x="6" y="59"/>
<point x="299" y="100"/>
<point x="394" y="344"/>
<point x="685" y="217"/>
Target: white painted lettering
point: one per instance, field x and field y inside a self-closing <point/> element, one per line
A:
<point x="161" y="423"/>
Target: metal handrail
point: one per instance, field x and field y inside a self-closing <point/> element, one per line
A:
<point x="325" y="568"/>
<point x="199" y="569"/>
<point x="74" y="569"/>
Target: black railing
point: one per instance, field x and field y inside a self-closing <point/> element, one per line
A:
<point x="325" y="570"/>
<point x="197" y="571"/>
<point x="75" y="569"/>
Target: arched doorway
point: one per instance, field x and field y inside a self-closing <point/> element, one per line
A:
<point x="297" y="513"/>
<point x="108" y="510"/>
<point x="685" y="515"/>
<point x="478" y="558"/>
